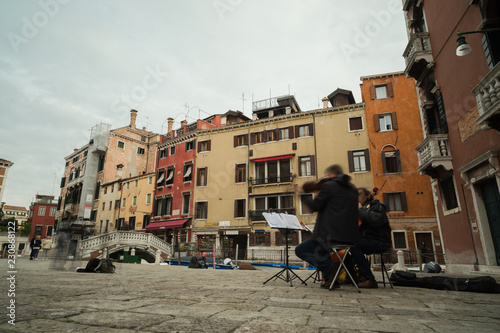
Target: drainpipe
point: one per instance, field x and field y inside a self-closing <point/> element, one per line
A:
<point x="476" y="263"/>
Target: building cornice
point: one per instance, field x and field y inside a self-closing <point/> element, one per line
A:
<point x="379" y="76"/>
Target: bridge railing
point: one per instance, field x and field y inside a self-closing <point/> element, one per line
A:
<point x="132" y="238"/>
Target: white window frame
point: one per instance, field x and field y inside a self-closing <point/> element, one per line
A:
<point x="384" y="120"/>
<point x="52" y="211"/>
<point x="355" y="130"/>
<point x="308" y="166"/>
<point x="378" y="90"/>
<point x="406" y="239"/>
<point x="358" y="158"/>
<point x="124" y="202"/>
<point x="41" y="211"/>
<point x="304" y="131"/>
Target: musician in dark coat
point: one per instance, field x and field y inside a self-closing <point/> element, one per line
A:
<point x="375" y="236"/>
<point x="336" y="222"/>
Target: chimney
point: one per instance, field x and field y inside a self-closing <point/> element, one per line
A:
<point x="133" y="116"/>
<point x="325" y="103"/>
<point x="170" y="122"/>
<point x="183" y="126"/>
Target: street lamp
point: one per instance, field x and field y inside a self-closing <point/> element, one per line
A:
<point x="463" y="48"/>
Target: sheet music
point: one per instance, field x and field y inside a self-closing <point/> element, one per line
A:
<point x="282" y="221"/>
<point x="274" y="220"/>
<point x="291" y="221"/>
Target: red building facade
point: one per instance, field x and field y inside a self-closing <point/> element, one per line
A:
<point x="173" y="207"/>
<point x="460" y="114"/>
<point x="42" y="216"/>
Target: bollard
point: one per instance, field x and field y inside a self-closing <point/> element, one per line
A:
<point x="157" y="258"/>
<point x="132" y="252"/>
<point x="400" y="266"/>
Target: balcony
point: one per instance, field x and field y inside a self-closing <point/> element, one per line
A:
<point x="256" y="215"/>
<point x="434" y="154"/>
<point x="272" y="180"/>
<point x="487" y="94"/>
<point x="418" y="56"/>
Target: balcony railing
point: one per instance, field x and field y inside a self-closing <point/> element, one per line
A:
<point x="256" y="215"/>
<point x="418" y="49"/>
<point x="487" y="94"/>
<point x="271" y="180"/>
<point x="434" y="152"/>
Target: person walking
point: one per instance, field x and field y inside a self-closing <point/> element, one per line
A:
<point x="336" y="222"/>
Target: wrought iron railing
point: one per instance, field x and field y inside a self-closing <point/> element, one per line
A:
<point x="256" y="215"/>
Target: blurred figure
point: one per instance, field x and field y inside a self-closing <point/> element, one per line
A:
<point x="46" y="246"/>
<point x="61" y="250"/>
<point x="202" y="260"/>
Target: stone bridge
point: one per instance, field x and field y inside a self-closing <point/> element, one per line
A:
<point x="119" y="240"/>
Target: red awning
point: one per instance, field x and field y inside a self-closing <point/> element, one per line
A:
<point x="279" y="157"/>
<point x="170" y="224"/>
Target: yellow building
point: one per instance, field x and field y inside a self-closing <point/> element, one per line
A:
<point x="125" y="204"/>
<point x="255" y="166"/>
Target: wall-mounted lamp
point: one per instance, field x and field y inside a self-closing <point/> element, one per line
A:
<point x="463" y="48"/>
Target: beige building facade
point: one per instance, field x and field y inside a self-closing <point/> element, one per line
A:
<point x="256" y="166"/>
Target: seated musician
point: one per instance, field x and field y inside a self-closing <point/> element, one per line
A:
<point x="375" y="237"/>
<point x="336" y="222"/>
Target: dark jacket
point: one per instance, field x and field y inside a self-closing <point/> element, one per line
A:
<point x="194" y="263"/>
<point x="35" y="243"/>
<point x="337" y="207"/>
<point x="375" y="224"/>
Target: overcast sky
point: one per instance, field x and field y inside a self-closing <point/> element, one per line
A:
<point x="67" y="65"/>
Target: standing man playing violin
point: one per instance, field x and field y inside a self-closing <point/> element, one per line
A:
<point x="375" y="236"/>
<point x="336" y="222"/>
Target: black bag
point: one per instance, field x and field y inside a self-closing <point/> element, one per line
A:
<point x="91" y="266"/>
<point x="481" y="284"/>
<point x="98" y="266"/>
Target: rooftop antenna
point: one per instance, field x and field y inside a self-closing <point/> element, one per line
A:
<point x="243" y="99"/>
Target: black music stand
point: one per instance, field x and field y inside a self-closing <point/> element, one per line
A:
<point x="284" y="222"/>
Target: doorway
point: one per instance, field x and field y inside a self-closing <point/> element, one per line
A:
<point x="229" y="243"/>
<point x="491" y="199"/>
<point x="423" y="242"/>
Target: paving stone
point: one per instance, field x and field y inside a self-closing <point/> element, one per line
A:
<point x="150" y="298"/>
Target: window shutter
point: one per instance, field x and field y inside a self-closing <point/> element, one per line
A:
<point x="251" y="239"/>
<point x="277" y="134"/>
<point x="390" y="90"/>
<point x="198" y="183"/>
<point x="386" y="201"/>
<point x="350" y="160"/>
<point x="367" y="159"/>
<point x="250" y="152"/>
<point x="300" y="169"/>
<point x="376" y="123"/>
<point x="373" y="94"/>
<point x="267" y="238"/>
<point x="313" y="165"/>
<point x="252" y="138"/>
<point x="311" y="130"/>
<point x="279" y="238"/>
<point x="384" y="166"/>
<point x="398" y="161"/>
<point x="164" y="206"/>
<point x="264" y="134"/>
<point x="245" y="140"/>
<point x="294" y="145"/>
<point x="199" y="146"/>
<point x="291" y="132"/>
<point x="235" y="141"/>
<point x="394" y="119"/>
<point x="209" y="145"/>
<point x="235" y="208"/>
<point x="236" y="173"/>
<point x="295" y="239"/>
<point x="297" y="131"/>
<point x="404" y="205"/>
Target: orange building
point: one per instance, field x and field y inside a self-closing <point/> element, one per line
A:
<point x="395" y="130"/>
